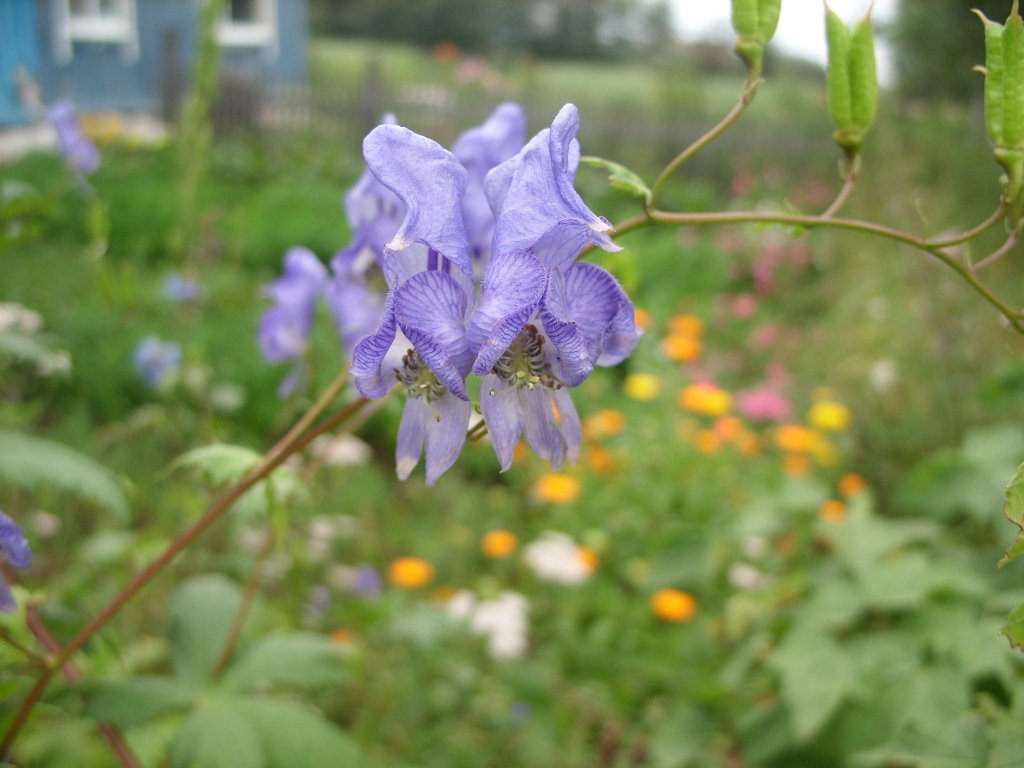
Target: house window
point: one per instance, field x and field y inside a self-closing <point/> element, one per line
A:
<point x="249" y="24"/>
<point x="95" y="21"/>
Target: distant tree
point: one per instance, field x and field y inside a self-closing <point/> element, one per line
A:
<point x="937" y="44"/>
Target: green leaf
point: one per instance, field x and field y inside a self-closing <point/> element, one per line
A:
<point x="840" y="104"/>
<point x="29" y="348"/>
<point x="817" y="674"/>
<point x="678" y="739"/>
<point x="863" y="77"/>
<point x="1013" y="508"/>
<point x="218" y="735"/>
<point x="960" y="745"/>
<point x="295" y="736"/>
<point x="139" y="699"/>
<point x="300" y="658"/>
<point x="29" y="462"/>
<point x="220" y="463"/>
<point x="993" y="78"/>
<point x="202" y="612"/>
<point x="1007" y="744"/>
<point x="620" y="177"/>
<point x="1013" y="628"/>
<point x="1013" y="82"/>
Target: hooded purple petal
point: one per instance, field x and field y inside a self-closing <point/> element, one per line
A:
<point x="481" y="149"/>
<point x="536" y="206"/>
<point x="285" y="327"/>
<point x="430" y="308"/>
<point x="430" y="181"/>
<point x="573" y="357"/>
<point x="13" y="544"/>
<point x="374" y="212"/>
<point x="356" y="308"/>
<point x="373" y="361"/>
<point x="441" y="425"/>
<point x="512" y="290"/>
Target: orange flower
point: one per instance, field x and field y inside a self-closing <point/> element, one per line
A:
<point x="520" y="453"/>
<point x="708" y="442"/>
<point x="796" y="464"/>
<point x="499" y="543"/>
<point x="794" y="438"/>
<point x="729" y="428"/>
<point x="604" y="422"/>
<point x="673" y="605"/>
<point x="589" y="558"/>
<point x="748" y="444"/>
<point x="343" y="637"/>
<point x="599" y="459"/>
<point x="832" y="511"/>
<point x="557" y="489"/>
<point x="686" y="325"/>
<point x="410" y="573"/>
<point x="706" y="399"/>
<point x="682" y="349"/>
<point x="642" y="386"/>
<point x="642" y="318"/>
<point x="852" y="484"/>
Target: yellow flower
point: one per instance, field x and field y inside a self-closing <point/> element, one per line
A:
<point x="832" y="511"/>
<point x="682" y="349"/>
<point x="794" y="438"/>
<point x="604" y="422"/>
<point x="686" y="325"/>
<point x="642" y="318"/>
<point x="823" y="450"/>
<point x="589" y="558"/>
<point x="706" y="399"/>
<point x="410" y="573"/>
<point x="642" y="386"/>
<point x="557" y="489"/>
<point x="673" y="605"/>
<point x="499" y="543"/>
<point x="830" y="416"/>
<point x="708" y="442"/>
<point x="852" y="484"/>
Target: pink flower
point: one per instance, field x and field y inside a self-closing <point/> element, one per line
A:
<point x="763" y="405"/>
<point x="744" y="306"/>
<point x="765" y="336"/>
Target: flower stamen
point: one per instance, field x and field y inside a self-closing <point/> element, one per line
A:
<point x="522" y="364"/>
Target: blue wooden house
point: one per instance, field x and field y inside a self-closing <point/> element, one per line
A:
<point x="128" y="55"/>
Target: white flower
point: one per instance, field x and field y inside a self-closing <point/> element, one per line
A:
<point x="556" y="557"/>
<point x="755" y="547"/>
<point x="502" y="620"/>
<point x="882" y="375"/>
<point x="342" y="451"/>
<point x="17" y="316"/>
<point x="745" y="576"/>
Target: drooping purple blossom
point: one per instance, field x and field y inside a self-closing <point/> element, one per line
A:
<point x="285" y="327"/>
<point x="421" y="340"/>
<point x="14" y="549"/>
<point x="78" y="149"/>
<point x="181" y="288"/>
<point x="157" y="360"/>
<point x="544" y="321"/>
<point x="480" y="150"/>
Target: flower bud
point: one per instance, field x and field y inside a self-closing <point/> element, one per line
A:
<point x="755" y="22"/>
<point x="852" y="80"/>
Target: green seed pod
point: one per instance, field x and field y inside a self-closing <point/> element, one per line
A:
<point x="1013" y="81"/>
<point x="767" y="19"/>
<point x="744" y="17"/>
<point x="993" y="78"/>
<point x="863" y="77"/>
<point x="840" y="104"/>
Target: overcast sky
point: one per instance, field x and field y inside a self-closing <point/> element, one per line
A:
<point x="801" y="27"/>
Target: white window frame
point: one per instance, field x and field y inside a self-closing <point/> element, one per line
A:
<point x="119" y="28"/>
<point x="261" y="33"/>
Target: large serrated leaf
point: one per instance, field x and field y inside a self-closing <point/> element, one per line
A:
<point x="294" y="736"/>
<point x="29" y="462"/>
<point x="299" y="658"/>
<point x="961" y="744"/>
<point x="811" y="693"/>
<point x="202" y="612"/>
<point x="138" y="700"/>
<point x="218" y="735"/>
<point x="620" y="177"/>
<point x="220" y="462"/>
<point x="1013" y="508"/>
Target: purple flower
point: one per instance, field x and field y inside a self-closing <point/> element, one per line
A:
<point x="157" y="360"/>
<point x="374" y="212"/>
<point x="544" y="321"/>
<point x="77" y="148"/>
<point x="421" y="340"/>
<point x="285" y="327"/>
<point x="481" y="149"/>
<point x="14" y="549"/>
<point x="366" y="581"/>
<point x="180" y="289"/>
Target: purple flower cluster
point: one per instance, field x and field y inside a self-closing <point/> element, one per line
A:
<point x="157" y="360"/>
<point x="542" y="321"/>
<point x="14" y="550"/>
<point x="78" y="149"/>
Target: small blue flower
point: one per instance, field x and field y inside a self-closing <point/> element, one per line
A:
<point x="181" y="289"/>
<point x="157" y="360"/>
<point x="15" y="550"/>
<point x="544" y="320"/>
<point x="481" y="149"/>
<point x="285" y="327"/>
<point x="421" y="340"/>
<point x="366" y="581"/>
<point x="77" y="148"/>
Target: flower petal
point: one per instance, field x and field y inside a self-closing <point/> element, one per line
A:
<point x="512" y="290"/>
<point x="442" y="426"/>
<point x="357" y="310"/>
<point x="572" y="352"/>
<point x="572" y="429"/>
<point x="371" y="375"/>
<point x="502" y="416"/>
<point x="430" y="307"/>
<point x="603" y="313"/>
<point x="412" y="431"/>
<point x="430" y="181"/>
<point x="540" y="424"/>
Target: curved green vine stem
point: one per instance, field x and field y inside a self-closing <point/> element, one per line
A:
<point x="1004" y="249"/>
<point x="746" y="97"/>
<point x="292" y="442"/>
<point x="970" y="234"/>
<point x="849" y="183"/>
